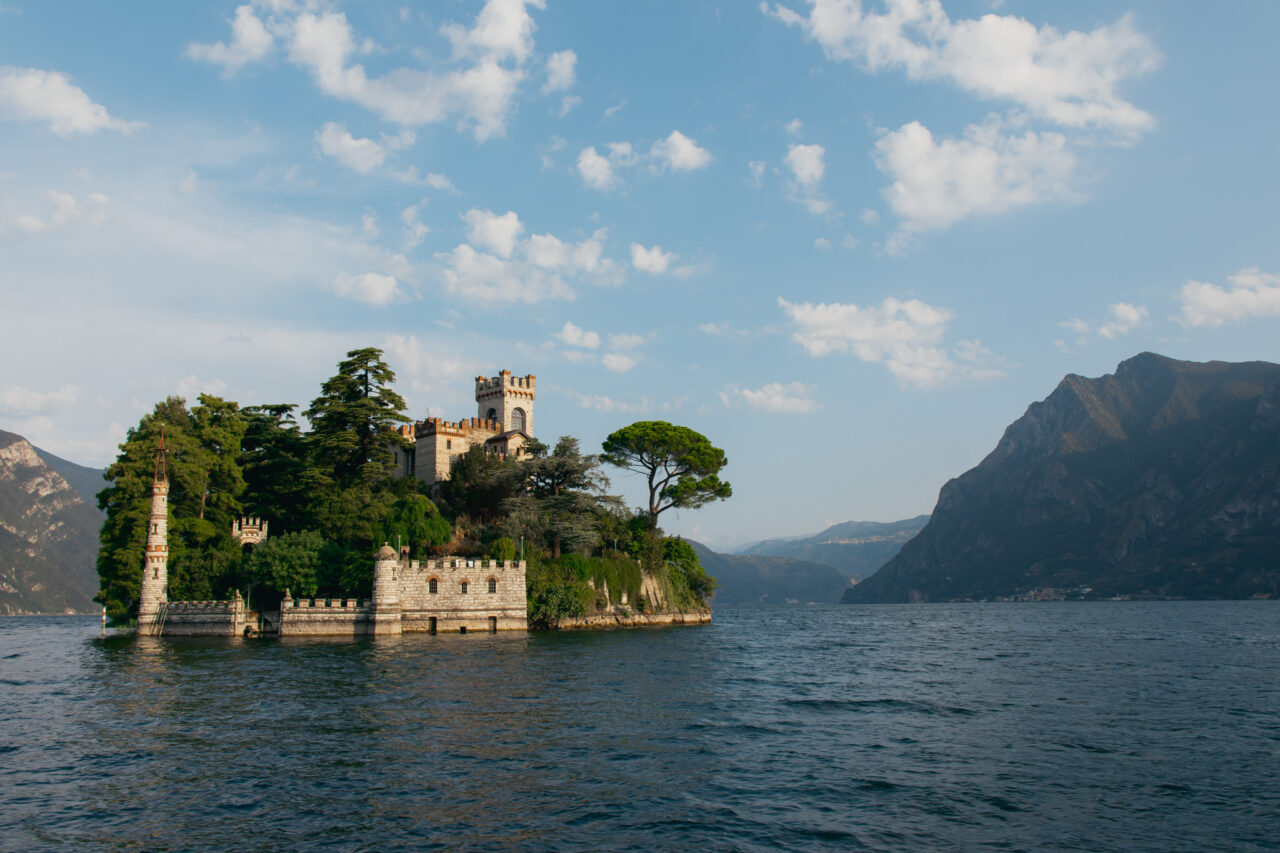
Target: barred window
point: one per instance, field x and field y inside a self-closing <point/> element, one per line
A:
<point x="431" y="586"/>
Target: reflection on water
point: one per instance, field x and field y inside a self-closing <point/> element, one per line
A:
<point x="1090" y="726"/>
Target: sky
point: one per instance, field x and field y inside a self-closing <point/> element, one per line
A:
<point x="848" y="242"/>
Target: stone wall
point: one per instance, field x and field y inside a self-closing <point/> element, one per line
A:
<point x="206" y="618"/>
<point x="477" y="609"/>
<point x="318" y="617"/>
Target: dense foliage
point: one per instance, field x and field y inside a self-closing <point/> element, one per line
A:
<point x="681" y="467"/>
<point x="331" y="495"/>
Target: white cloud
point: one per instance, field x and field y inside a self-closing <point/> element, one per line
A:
<point x="190" y="182"/>
<point x="794" y="127"/>
<point x="362" y="155"/>
<point x="560" y="71"/>
<point x="756" y="170"/>
<point x="869" y="216"/>
<point x="1252" y="293"/>
<point x="1124" y="319"/>
<point x="190" y="387"/>
<point x="679" y="152"/>
<point x="567" y="103"/>
<point x="626" y="341"/>
<point x="849" y="241"/>
<point x="907" y="337"/>
<point x="806" y="163"/>
<point x="496" y="233"/>
<point x="18" y="401"/>
<point x="503" y="30"/>
<point x="1076" y="325"/>
<point x="66" y="210"/>
<point x="414" y="229"/>
<point x="1068" y="78"/>
<point x="575" y="336"/>
<point x="602" y="403"/>
<point x="250" y="42"/>
<point x="479" y="90"/>
<point x="529" y="270"/>
<point x="676" y="152"/>
<point x="371" y="287"/>
<point x="652" y="260"/>
<point x="822" y="243"/>
<point x="794" y="397"/>
<point x="937" y="183"/>
<point x="618" y="362"/>
<point x="29" y="94"/>
<point x="596" y="170"/>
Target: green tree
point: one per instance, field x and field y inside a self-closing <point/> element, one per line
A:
<point x="354" y="420"/>
<point x="414" y="521"/>
<point x="273" y="458"/>
<point x="682" y="559"/>
<point x="288" y="562"/>
<point x="558" y="494"/>
<point x="681" y="466"/>
<point x="126" y="503"/>
<point x="479" y="482"/>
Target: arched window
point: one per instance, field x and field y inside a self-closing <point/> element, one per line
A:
<point x="517" y="419"/>
<point x="432" y="585"/>
<point x="464" y="587"/>
<point x="493" y="585"/>
<point x="492" y="414"/>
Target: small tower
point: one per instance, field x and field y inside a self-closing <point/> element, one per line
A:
<point x="154" y="592"/>
<point x="384" y="616"/>
<point x="507" y="399"/>
<point x="249" y="531"/>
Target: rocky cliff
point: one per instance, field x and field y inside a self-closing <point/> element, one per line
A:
<point x="48" y="531"/>
<point x="854" y="548"/>
<point x="1160" y="480"/>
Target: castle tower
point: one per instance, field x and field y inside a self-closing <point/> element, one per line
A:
<point x="508" y="399"/>
<point x="385" y="614"/>
<point x="155" y="568"/>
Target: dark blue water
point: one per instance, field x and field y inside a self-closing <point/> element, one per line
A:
<point x="1105" y="726"/>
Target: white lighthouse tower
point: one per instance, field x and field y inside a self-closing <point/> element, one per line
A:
<point x="154" y="593"/>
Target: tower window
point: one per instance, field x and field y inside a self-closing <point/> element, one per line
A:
<point x="492" y="414"/>
<point x="493" y="585"/>
<point x="517" y="419"/>
<point x="464" y="587"/>
<point x="432" y="585"/>
<point x="448" y="444"/>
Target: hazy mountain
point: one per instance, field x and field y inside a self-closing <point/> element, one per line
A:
<point x="855" y="548"/>
<point x="48" y="531"/>
<point x="769" y="580"/>
<point x="1162" y="479"/>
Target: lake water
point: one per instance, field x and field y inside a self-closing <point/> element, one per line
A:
<point x="1076" y="726"/>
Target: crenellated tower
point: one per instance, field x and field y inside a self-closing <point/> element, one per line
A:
<point x="507" y="399"/>
<point x="154" y="592"/>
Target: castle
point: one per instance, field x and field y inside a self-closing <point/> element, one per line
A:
<point x="503" y="425"/>
<point x="451" y="594"/>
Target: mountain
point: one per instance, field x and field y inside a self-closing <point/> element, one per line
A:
<point x="1160" y="480"/>
<point x="769" y="580"/>
<point x="48" y="531"/>
<point x="855" y="548"/>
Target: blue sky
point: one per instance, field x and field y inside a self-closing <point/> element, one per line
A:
<point x="848" y="242"/>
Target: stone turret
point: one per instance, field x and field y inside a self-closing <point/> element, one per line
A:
<point x="249" y="530"/>
<point x="154" y="591"/>
<point x="384" y="615"/>
<point x="507" y="399"/>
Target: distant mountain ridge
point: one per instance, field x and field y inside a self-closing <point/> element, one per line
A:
<point x="855" y="548"/>
<point x="49" y="526"/>
<point x="1162" y="480"/>
<point x="760" y="579"/>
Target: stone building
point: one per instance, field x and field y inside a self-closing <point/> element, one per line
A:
<point x="503" y="425"/>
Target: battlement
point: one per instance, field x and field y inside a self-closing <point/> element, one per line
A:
<point x="453" y="563"/>
<point x="228" y="607"/>
<point x="324" y="603"/>
<point x="439" y="426"/>
<point x="504" y="381"/>
<point x="248" y="530"/>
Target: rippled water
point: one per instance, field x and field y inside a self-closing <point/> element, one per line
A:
<point x="1105" y="726"/>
